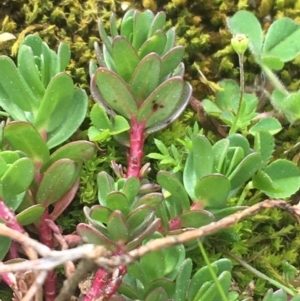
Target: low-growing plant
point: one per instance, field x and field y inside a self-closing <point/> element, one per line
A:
<point x="139" y="88"/>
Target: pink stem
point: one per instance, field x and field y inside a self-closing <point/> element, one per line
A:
<point x="105" y="284"/>
<point x="98" y="286"/>
<point x="46" y="238"/>
<point x="13" y="250"/>
<point x="136" y="148"/>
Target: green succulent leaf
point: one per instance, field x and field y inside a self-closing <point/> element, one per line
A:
<point x="212" y="293"/>
<point x="55" y="103"/>
<point x="113" y="25"/>
<point x="245" y="170"/>
<point x="139" y="218"/>
<point x="30" y="215"/>
<point x="171" y="60"/>
<point x="4" y="246"/>
<point x="164" y="283"/>
<point x="202" y="156"/>
<point x="170" y="183"/>
<point x="127" y="25"/>
<point x="64" y="56"/>
<point x="183" y="279"/>
<point x="219" y="151"/>
<point x="57" y="180"/>
<point x="264" y="144"/>
<point x="105" y="39"/>
<point x="90" y="235"/>
<point x="195" y="218"/>
<point x="24" y="137"/>
<point x="171" y="37"/>
<point x="146" y="77"/>
<point x="154" y="265"/>
<point x="29" y="71"/>
<point x="150" y="199"/>
<point x="13" y="181"/>
<point x="141" y="26"/>
<point x="156" y="43"/>
<point x="100" y="213"/>
<point x="117" y="227"/>
<point x="105" y="185"/>
<point x="157" y="23"/>
<point x="77" y="151"/>
<point x="183" y="102"/>
<point x="117" y="201"/>
<point x="131" y="189"/>
<point x="15" y="86"/>
<point x="115" y="93"/>
<point x="213" y="190"/>
<point x="125" y="58"/>
<point x="173" y="258"/>
<point x="162" y="103"/>
<point x="73" y="119"/>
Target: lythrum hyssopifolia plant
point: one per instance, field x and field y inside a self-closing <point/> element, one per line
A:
<point x="139" y="84"/>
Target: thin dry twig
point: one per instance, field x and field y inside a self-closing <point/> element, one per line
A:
<point x="97" y="254"/>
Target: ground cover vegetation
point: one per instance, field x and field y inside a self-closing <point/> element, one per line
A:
<point x="149" y="151"/>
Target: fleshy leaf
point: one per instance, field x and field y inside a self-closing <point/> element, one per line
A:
<point x="115" y="93"/>
<point x="162" y="102"/>
<point x="55" y="103"/>
<point x="117" y="227"/>
<point x="13" y="181"/>
<point x="125" y="58"/>
<point x="146" y="77"/>
<point x="57" y="180"/>
<point x="169" y="182"/>
<point x="30" y="215"/>
<point x="24" y="137"/>
<point x="156" y="43"/>
<point x="213" y="190"/>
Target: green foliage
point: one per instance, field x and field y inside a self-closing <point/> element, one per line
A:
<point x="38" y="90"/>
<point x="271" y="52"/>
<point x="141" y="68"/>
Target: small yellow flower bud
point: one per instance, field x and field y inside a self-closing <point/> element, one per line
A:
<point x="240" y="43"/>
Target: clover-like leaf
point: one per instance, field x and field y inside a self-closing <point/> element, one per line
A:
<point x="280" y="39"/>
<point x="285" y="179"/>
<point x="239" y="24"/>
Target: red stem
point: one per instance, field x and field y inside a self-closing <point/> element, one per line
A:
<point x="135" y="157"/>
<point x="46" y="237"/>
<point x="105" y="284"/>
